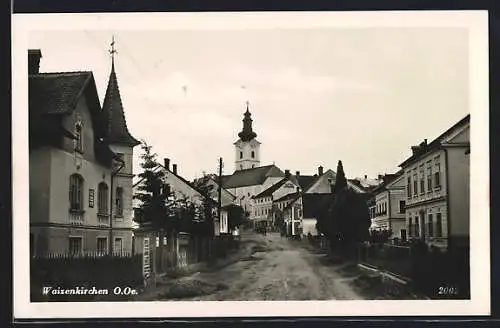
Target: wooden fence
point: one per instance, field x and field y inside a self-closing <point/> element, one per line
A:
<point x="431" y="271"/>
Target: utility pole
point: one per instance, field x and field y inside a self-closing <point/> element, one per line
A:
<point x="219" y="193"/>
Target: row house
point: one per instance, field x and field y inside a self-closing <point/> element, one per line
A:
<point x="387" y="205"/>
<point x="264" y="202"/>
<point x="437" y="188"/>
<point x="80" y="164"/>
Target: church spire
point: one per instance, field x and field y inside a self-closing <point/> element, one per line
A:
<point x="247" y="133"/>
<point x="117" y="131"/>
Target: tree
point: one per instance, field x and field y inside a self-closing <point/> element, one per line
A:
<point x="347" y="221"/>
<point x="152" y="193"/>
<point x="340" y="179"/>
<point x="236" y="215"/>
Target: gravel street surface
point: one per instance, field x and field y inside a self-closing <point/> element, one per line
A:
<point x="264" y="268"/>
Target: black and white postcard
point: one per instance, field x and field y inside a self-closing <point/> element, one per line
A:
<point x="250" y="164"/>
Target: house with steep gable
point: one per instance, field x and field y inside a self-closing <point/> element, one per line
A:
<point x="80" y="164"/>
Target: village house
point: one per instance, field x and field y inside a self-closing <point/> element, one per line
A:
<point x="294" y="211"/>
<point x="80" y="164"/>
<point x="437" y="188"/>
<point x="265" y="203"/>
<point x="209" y="181"/>
<point x="180" y="189"/>
<point x="387" y="210"/>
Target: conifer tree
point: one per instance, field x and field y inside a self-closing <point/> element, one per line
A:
<point x="340" y="179"/>
<point x="151" y="191"/>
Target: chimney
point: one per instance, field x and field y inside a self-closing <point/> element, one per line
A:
<point x="287" y="173"/>
<point x="320" y="170"/>
<point x="297" y="173"/>
<point x="34" y="56"/>
<point x="366" y="177"/>
<point x="166" y="163"/>
<point x="174" y="168"/>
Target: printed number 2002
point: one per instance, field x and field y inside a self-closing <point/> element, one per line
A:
<point x="448" y="291"/>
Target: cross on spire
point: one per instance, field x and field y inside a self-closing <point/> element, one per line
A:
<point x="113" y="51"/>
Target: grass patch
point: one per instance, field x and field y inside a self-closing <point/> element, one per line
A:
<point x="189" y="288"/>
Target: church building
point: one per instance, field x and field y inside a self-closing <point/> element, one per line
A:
<point x="249" y="178"/>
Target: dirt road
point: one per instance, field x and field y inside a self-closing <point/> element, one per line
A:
<point x="267" y="268"/>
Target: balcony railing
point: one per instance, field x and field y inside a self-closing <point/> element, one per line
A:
<point x="76" y="217"/>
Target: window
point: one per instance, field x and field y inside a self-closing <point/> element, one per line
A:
<point x="253" y="154"/>
<point x="119" y="202"/>
<point x="408" y="187"/>
<point x="253" y="166"/>
<point x="241" y="154"/>
<point x="164" y="240"/>
<point x="102" y="244"/>
<point x="91" y="198"/>
<point x="439" y="225"/>
<point x="403" y="234"/>
<point x="415" y="186"/>
<point x="118" y="245"/>
<point x="75" y="245"/>
<point x="78" y="137"/>
<point x="417" y="227"/>
<point x="429" y="178"/>
<point x="430" y="225"/>
<point x="437" y="176"/>
<point x="410" y="226"/>
<point x="422" y="182"/>
<point x="241" y="167"/>
<point x="102" y="199"/>
<point x="402" y="205"/>
<point x="76" y="192"/>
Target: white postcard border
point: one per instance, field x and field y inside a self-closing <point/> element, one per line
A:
<point x="475" y="21"/>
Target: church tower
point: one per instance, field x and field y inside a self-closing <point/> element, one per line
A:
<point x="122" y="143"/>
<point x="247" y="148"/>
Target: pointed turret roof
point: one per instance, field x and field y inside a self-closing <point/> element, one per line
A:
<point x="247" y="133"/>
<point x="117" y="131"/>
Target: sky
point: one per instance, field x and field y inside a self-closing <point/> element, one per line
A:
<point x="319" y="95"/>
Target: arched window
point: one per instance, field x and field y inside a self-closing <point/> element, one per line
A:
<point x="78" y="137"/>
<point x="119" y="201"/>
<point x="76" y="192"/>
<point x="102" y="199"/>
<point x="253" y="154"/>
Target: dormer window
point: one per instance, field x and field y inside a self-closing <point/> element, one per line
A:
<point x="78" y="137"/>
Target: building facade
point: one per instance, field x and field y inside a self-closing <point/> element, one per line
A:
<point x="437" y="190"/>
<point x="79" y="154"/>
<point x="387" y="210"/>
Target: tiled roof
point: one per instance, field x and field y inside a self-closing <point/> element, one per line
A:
<point x="56" y="93"/>
<point x="269" y="191"/>
<point x="113" y="110"/>
<point x="436" y="142"/>
<point x="314" y="204"/>
<point x="304" y="181"/>
<point x="251" y="177"/>
<point x="288" y="197"/>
